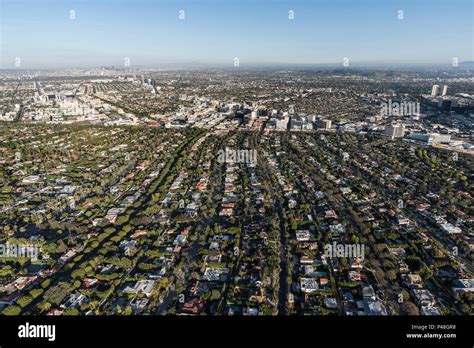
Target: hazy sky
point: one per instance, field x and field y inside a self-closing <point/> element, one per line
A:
<point x="150" y="33"/>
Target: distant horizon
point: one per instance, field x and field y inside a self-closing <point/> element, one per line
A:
<point x="52" y="34"/>
<point x="262" y="65"/>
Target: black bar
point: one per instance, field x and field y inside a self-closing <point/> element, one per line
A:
<point x="142" y="330"/>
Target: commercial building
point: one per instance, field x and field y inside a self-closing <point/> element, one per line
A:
<point x="445" y="90"/>
<point x="431" y="138"/>
<point x="323" y="124"/>
<point x="395" y="131"/>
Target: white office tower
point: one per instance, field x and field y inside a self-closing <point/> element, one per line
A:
<point x="434" y="90"/>
<point x="395" y="131"/>
<point x="254" y="114"/>
<point x="445" y="90"/>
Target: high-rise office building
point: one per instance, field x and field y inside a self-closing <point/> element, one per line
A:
<point x="445" y="90"/>
<point x="434" y="90"/>
<point x="395" y="131"/>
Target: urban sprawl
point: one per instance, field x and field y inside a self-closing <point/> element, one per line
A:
<point x="305" y="191"/>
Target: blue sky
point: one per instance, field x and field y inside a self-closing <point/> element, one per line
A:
<point x="150" y="33"/>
